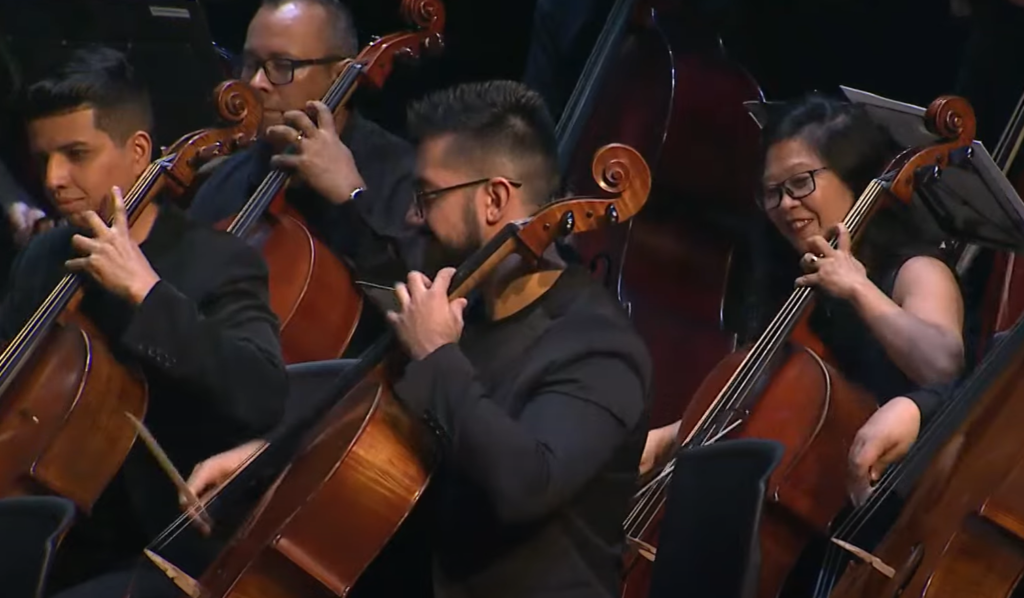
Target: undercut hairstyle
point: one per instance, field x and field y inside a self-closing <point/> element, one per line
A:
<point x="99" y="78"/>
<point x="344" y="40"/>
<point x="495" y="119"/>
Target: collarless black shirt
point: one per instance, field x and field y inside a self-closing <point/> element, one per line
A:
<point x="542" y="418"/>
<point x="207" y="344"/>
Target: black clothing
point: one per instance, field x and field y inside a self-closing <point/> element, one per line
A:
<point x="380" y="252"/>
<point x="207" y="343"/>
<point x="859" y="355"/>
<point x="542" y="418"/>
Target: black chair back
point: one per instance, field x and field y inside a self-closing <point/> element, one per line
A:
<point x="31" y="527"/>
<point x="708" y="546"/>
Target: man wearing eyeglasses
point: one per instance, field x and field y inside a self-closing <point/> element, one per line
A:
<point x="294" y="50"/>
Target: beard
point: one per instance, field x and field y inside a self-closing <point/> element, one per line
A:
<point x="440" y="254"/>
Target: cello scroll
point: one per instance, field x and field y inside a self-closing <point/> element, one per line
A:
<point x="238" y="106"/>
<point x="617" y="169"/>
<point x="950" y="117"/>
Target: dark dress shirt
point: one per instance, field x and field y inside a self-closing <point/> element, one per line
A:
<point x="207" y="344"/>
<point x="542" y="420"/>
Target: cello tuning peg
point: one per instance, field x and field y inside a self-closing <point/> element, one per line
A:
<point x="568" y="223"/>
<point x="405" y="56"/>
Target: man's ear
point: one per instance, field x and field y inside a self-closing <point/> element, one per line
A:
<point x="140" y="146"/>
<point x="499" y="200"/>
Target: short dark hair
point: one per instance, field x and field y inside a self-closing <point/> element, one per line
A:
<point x="850" y="142"/>
<point x="495" y="118"/>
<point x="94" y="77"/>
<point x="342" y="27"/>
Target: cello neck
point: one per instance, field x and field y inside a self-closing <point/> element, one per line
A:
<point x="336" y="97"/>
<point x="27" y="341"/>
<point x="577" y="109"/>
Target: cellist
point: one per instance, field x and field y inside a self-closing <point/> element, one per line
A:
<point x="539" y="395"/>
<point x="294" y="49"/>
<point x="893" y="316"/>
<point x="187" y="305"/>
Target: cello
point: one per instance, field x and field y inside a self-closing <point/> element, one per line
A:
<point x="64" y="396"/>
<point x="361" y="469"/>
<point x="311" y="290"/>
<point x="784" y="388"/>
<point x="959" y="532"/>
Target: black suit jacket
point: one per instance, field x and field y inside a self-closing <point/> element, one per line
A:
<point x="207" y="343"/>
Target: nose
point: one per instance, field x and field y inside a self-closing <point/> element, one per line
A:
<point x="787" y="202"/>
<point x="57" y="174"/>
<point x="259" y="81"/>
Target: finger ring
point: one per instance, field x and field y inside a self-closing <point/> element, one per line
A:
<point x="299" y="137"/>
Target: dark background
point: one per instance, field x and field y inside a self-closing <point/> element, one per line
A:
<point x="911" y="50"/>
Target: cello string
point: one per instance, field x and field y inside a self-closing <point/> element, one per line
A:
<point x="276" y="179"/>
<point x="934" y="433"/>
<point x="182" y="521"/>
<point x="26" y="341"/>
<point x="778" y="330"/>
<point x="749" y="370"/>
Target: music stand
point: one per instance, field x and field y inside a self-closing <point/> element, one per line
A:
<point x="167" y="41"/>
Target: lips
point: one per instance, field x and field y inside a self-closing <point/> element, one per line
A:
<point x="798" y="224"/>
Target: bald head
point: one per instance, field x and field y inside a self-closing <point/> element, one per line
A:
<point x="328" y="22"/>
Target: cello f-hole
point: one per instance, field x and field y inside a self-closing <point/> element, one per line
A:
<point x="906" y="571"/>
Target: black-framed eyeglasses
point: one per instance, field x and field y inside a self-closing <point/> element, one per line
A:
<point x="798" y="186"/>
<point x="421" y="198"/>
<point x="281" y="71"/>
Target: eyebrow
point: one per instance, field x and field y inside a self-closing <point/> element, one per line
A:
<point x="272" y="56"/>
<point x="421" y="183"/>
<point x="72" y="145"/>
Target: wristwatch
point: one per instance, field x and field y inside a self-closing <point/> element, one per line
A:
<point x="356" y="193"/>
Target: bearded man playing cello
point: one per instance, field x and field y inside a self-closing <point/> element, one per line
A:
<point x="187" y="305"/>
<point x="541" y="401"/>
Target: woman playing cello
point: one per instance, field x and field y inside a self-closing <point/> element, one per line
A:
<point x="892" y="317"/>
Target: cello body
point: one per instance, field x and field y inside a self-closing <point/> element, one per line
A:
<point x="282" y="551"/>
<point x="961" y="532"/>
<point x="809" y="407"/>
<point x="311" y="292"/>
<point x="62" y="421"/>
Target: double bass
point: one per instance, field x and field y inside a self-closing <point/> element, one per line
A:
<point x="311" y="290"/>
<point x="784" y="388"/>
<point x="361" y="468"/>
<point x="659" y="80"/>
<point x="63" y="427"/>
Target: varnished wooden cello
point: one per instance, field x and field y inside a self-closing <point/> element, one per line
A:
<point x="63" y="396"/>
<point x="960" y="532"/>
<point x="311" y="290"/>
<point x="363" y="467"/>
<point x="783" y="388"/>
